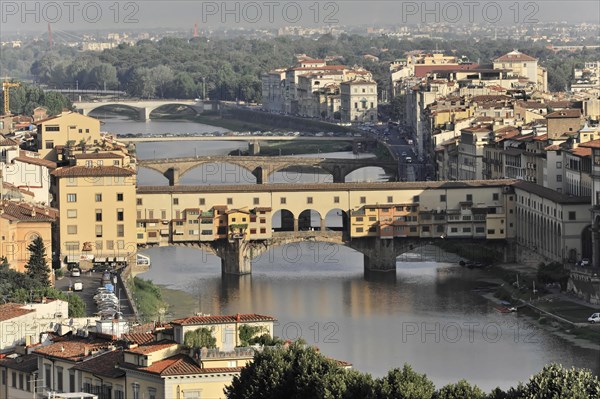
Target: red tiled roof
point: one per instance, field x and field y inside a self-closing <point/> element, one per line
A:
<point x="240" y="318"/>
<point x="541" y="137"/>
<point x="11" y="310"/>
<point x="152" y="347"/>
<point x="104" y="364"/>
<point x="21" y="211"/>
<point x="36" y="161"/>
<point x="72" y="349"/>
<point x="566" y="113"/>
<point x="515" y="56"/>
<point x="98" y="155"/>
<point x="139" y="338"/>
<point x="182" y="365"/>
<point x="85" y="171"/>
<point x="582" y="152"/>
<point x="591" y="144"/>
<point x="25" y="363"/>
<point x="6" y="142"/>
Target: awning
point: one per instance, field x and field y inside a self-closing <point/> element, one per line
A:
<point x="120" y="259"/>
<point x="72" y="259"/>
<point x="179" y="232"/>
<point x="164" y="232"/>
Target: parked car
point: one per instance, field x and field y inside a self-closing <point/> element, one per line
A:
<point x="595" y="318"/>
<point x="78" y="286"/>
<point x="75" y="272"/>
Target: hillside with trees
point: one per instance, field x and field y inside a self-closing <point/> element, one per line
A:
<point x="231" y="68"/>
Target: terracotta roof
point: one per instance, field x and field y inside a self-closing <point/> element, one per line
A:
<point x="11" y="310"/>
<point x="359" y="82"/>
<point x="181" y="365"/>
<point x="73" y="349"/>
<point x="98" y="155"/>
<point x="566" y="113"/>
<point x="152" y="347"/>
<point x="22" y="211"/>
<point x="240" y="318"/>
<point x="591" y="144"/>
<point x="36" y="161"/>
<point x="582" y="152"/>
<point x="515" y="56"/>
<point x="85" y="171"/>
<point x="139" y="338"/>
<point x="104" y="364"/>
<point x="541" y="137"/>
<point x="531" y="104"/>
<point x="6" y="142"/>
<point x="553" y="147"/>
<point x="26" y="363"/>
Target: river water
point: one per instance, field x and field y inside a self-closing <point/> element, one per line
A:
<point x="429" y="314"/>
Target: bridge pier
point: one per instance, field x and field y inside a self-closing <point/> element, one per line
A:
<point x="144" y="113"/>
<point x="338" y="176"/>
<point x="379" y="254"/>
<point x="261" y="174"/>
<point x="254" y="148"/>
<point x="173" y="175"/>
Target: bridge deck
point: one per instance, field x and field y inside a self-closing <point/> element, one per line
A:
<point x="360" y="186"/>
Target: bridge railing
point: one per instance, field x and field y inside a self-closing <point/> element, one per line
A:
<point x="308" y="234"/>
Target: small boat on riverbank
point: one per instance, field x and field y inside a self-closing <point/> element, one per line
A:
<point x="506" y="307"/>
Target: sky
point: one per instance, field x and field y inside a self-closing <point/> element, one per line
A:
<point x="17" y="15"/>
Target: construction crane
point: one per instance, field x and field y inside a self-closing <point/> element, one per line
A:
<point x="6" y="88"/>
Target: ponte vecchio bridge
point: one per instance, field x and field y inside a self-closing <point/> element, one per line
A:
<point x="263" y="167"/>
<point x="381" y="220"/>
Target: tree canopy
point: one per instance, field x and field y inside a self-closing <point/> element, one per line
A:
<point x="299" y="371"/>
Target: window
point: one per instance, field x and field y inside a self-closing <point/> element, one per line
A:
<point x="263" y="220"/>
<point x="466" y="229"/>
<point x="52" y="128"/>
<point x="263" y="230"/>
<point x="202" y="201"/>
<point x="72" y="229"/>
<point x="110" y="245"/>
<point x="359" y="229"/>
<point x="372" y="218"/>
<point x="120" y="230"/>
<point x="282" y="200"/>
<point x="138" y="201"/>
<point x="89" y="164"/>
<point x="495" y="197"/>
<point x="336" y="200"/>
<point x="3" y="377"/>
<point x="119" y="196"/>
<point x="59" y="379"/>
<point x="491" y="231"/>
<point x="116" y="162"/>
<point x="21" y="382"/>
<point x="559" y="178"/>
<point x="71" y="213"/>
<point x="136" y="390"/>
<point x="229" y="201"/>
<point x="120" y="215"/>
<point x="425" y="229"/>
<point x="71" y="197"/>
<point x="390" y="199"/>
<point x="98" y="231"/>
<point x="479" y="229"/>
<point x="572" y="215"/>
<point x="98" y="197"/>
<point x="470" y="197"/>
<point x="443" y="198"/>
<point x="309" y="200"/>
<point x="363" y="200"/>
<point x="558" y="165"/>
<point x="14" y="379"/>
<point x="98" y="215"/>
<point x="416" y="198"/>
<point x="49" y="144"/>
<point x="151" y="393"/>
<point x="454" y="230"/>
<point x="48" y="376"/>
<point x="175" y="201"/>
<point x="119" y="394"/>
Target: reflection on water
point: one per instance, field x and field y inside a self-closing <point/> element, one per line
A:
<point x="427" y="315"/>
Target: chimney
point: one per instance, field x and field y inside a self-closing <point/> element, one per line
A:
<point x="237" y="317"/>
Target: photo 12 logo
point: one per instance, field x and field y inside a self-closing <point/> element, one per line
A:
<point x="462" y="12"/>
<point x="92" y="12"/>
<point x="270" y="12"/>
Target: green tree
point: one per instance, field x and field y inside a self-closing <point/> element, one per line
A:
<point x="461" y="390"/>
<point x="200" y="338"/>
<point x="405" y="383"/>
<point x="37" y="266"/>
<point x="398" y="108"/>
<point x="162" y="76"/>
<point x="555" y="381"/>
<point x="294" y="372"/>
<point x="247" y="332"/>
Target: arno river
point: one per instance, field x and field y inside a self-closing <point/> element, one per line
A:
<point x="430" y="315"/>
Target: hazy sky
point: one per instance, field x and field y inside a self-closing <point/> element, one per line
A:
<point x="126" y="15"/>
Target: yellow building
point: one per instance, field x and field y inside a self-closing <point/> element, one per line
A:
<point x="97" y="210"/>
<point x="18" y="377"/>
<point x="20" y="224"/>
<point x="63" y="130"/>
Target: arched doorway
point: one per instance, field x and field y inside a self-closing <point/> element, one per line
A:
<point x="587" y="243"/>
<point x="282" y="220"/>
<point x="309" y="219"/>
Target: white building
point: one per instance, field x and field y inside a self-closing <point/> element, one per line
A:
<point x="358" y="101"/>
